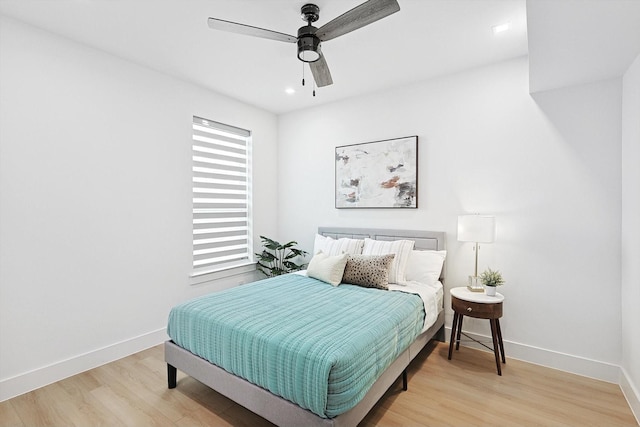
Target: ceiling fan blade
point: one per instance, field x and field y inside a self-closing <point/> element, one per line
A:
<point x="248" y="30"/>
<point x="320" y="71"/>
<point x="364" y="14"/>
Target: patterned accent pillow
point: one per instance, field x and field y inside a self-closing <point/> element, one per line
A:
<point x="369" y="271"/>
<point x="401" y="248"/>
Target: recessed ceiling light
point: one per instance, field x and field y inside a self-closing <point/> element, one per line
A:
<point x="290" y="91"/>
<point x="501" y="28"/>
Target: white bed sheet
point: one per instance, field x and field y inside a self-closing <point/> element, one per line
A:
<point x="431" y="294"/>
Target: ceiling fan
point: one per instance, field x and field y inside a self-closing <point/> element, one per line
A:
<point x="309" y="37"/>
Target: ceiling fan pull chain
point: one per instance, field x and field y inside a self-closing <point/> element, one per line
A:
<point x="303" y="74"/>
<point x="314" y="88"/>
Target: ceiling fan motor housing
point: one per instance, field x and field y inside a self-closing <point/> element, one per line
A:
<point x="308" y="44"/>
<point x="310" y="13"/>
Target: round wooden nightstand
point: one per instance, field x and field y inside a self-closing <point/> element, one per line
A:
<point x="478" y="305"/>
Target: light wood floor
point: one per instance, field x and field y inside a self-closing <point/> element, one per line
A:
<point x="462" y="392"/>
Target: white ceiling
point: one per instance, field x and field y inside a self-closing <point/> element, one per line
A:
<point x="568" y="42"/>
<point x="580" y="41"/>
<point x="427" y="38"/>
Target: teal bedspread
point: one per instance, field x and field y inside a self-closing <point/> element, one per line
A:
<point x="319" y="346"/>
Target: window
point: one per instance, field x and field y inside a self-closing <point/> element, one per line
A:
<point x="221" y="196"/>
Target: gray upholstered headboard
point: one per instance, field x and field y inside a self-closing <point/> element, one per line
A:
<point x="425" y="240"/>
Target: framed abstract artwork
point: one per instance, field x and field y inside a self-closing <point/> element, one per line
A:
<point x="380" y="174"/>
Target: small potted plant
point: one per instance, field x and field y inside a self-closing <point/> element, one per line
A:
<point x="490" y="279"/>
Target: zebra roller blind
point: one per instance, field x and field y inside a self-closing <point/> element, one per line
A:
<point x="221" y="196"/>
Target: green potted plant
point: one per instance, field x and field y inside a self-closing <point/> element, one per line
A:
<point x="490" y="279"/>
<point x="277" y="258"/>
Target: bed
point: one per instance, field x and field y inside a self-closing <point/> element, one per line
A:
<point x="194" y="358"/>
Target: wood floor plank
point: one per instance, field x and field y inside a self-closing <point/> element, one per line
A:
<point x="126" y="412"/>
<point x="143" y="378"/>
<point x="203" y="418"/>
<point x="79" y="387"/>
<point x="121" y="395"/>
<point x="50" y="405"/>
<point x="464" y="391"/>
<point x="8" y="415"/>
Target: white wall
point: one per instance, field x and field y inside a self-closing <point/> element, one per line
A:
<point x="95" y="220"/>
<point x="549" y="169"/>
<point x="631" y="235"/>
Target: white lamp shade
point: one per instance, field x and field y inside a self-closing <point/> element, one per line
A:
<point x="476" y="228"/>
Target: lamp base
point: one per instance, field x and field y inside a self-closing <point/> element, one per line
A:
<point x="475" y="285"/>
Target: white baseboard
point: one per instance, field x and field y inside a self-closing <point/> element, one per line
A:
<point x="23" y="383"/>
<point x="551" y="359"/>
<point x="630" y="393"/>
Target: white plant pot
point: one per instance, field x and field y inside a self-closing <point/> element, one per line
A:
<point x="490" y="291"/>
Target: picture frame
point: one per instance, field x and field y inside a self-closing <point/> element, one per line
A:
<point x="379" y="174"/>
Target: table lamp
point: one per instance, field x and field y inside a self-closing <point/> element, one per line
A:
<point x="477" y="229"/>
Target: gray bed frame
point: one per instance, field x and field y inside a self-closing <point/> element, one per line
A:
<point x="283" y="412"/>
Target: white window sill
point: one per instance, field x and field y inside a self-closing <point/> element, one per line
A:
<point x="198" y="277"/>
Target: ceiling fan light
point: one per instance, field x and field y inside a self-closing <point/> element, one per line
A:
<point x="308" y="55"/>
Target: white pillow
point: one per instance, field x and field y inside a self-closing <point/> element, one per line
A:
<point x="401" y="248"/>
<point x="319" y="243"/>
<point x="425" y="266"/>
<point x="343" y="246"/>
<point x="327" y="268"/>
